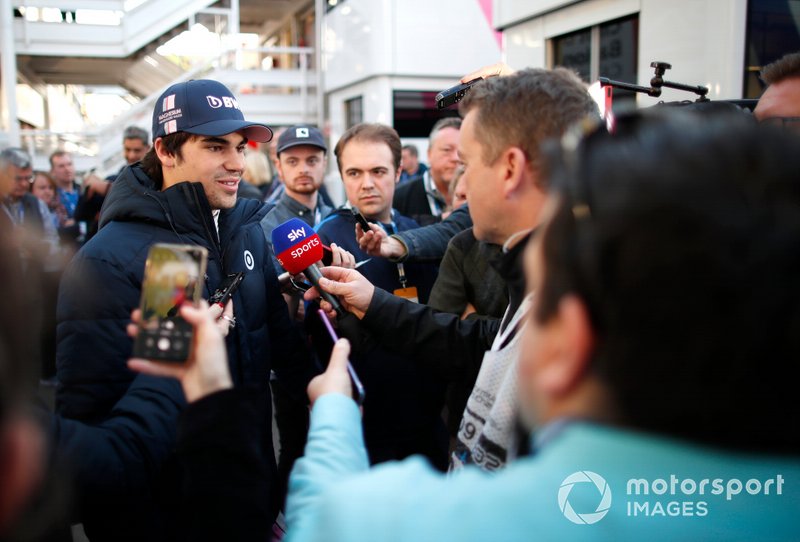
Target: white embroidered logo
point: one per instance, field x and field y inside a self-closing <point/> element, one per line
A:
<point x="168" y="103"/>
<point x="249" y="261"/>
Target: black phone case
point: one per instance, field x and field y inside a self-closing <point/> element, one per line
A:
<point x="361" y="220"/>
<point x="226" y="289"/>
<point x="454" y="94"/>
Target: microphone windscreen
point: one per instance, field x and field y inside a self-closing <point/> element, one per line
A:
<point x="297" y="246"/>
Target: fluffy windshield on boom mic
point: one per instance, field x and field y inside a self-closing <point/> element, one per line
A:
<point x="298" y="248"/>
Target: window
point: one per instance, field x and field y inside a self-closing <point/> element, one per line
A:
<point x="353" y="111"/>
<point x="607" y="50"/>
<point x="415" y="112"/>
<point x="773" y="29"/>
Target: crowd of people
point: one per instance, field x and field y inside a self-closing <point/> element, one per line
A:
<point x="566" y="326"/>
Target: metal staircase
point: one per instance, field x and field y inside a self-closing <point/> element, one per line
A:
<point x="275" y="97"/>
<point x="124" y="55"/>
<point x="137" y="27"/>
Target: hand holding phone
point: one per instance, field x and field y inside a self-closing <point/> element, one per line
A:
<point x="355" y="382"/>
<point x="206" y="370"/>
<point x="361" y="220"/>
<point x="173" y="276"/>
<point x="225" y="291"/>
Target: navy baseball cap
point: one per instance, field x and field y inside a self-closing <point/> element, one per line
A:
<point x="203" y="107"/>
<point x="300" y="134"/>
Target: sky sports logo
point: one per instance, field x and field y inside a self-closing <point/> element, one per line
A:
<point x="660" y="497"/>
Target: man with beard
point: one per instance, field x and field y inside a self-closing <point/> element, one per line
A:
<point x="301" y="162"/>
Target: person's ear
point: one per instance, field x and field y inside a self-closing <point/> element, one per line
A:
<point x="279" y="169"/>
<point x="512" y="163"/>
<point x="21" y="466"/>
<point x="570" y="345"/>
<point x="166" y="159"/>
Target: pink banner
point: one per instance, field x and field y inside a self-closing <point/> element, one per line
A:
<point x="486" y="7"/>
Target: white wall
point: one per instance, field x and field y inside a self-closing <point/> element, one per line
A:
<point x="513" y="12"/>
<point x="702" y="39"/>
<point x="374" y="47"/>
<point x="421" y="38"/>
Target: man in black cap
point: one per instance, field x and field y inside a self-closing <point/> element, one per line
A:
<point x="301" y="162"/>
<point x="183" y="191"/>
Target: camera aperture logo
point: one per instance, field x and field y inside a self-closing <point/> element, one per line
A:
<point x="604" y="497"/>
<point x="669" y="496"/>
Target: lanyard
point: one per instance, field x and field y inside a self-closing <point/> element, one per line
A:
<point x="391" y="229"/>
<point x="436" y="201"/>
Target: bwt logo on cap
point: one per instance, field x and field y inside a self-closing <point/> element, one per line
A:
<point x="584" y="477"/>
<point x="227" y="101"/>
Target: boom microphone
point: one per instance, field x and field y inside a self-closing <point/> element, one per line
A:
<point x="299" y="248"/>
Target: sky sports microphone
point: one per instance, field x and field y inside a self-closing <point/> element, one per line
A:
<point x="299" y="248"/>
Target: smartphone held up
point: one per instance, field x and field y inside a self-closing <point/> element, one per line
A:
<point x="173" y="276"/>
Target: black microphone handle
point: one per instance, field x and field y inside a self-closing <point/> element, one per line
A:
<point x="313" y="274"/>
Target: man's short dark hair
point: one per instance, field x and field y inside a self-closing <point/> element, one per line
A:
<point x="412" y="149"/>
<point x="783" y="68"/>
<point x="134" y="132"/>
<point x="172" y="144"/>
<point x="375" y="133"/>
<point x="680" y="234"/>
<point x="56" y="154"/>
<point x="525" y="109"/>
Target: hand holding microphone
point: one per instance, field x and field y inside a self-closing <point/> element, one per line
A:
<point x="298" y="249"/>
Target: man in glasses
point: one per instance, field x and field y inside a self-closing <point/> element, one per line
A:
<point x="23" y="208"/>
<point x="780" y="102"/>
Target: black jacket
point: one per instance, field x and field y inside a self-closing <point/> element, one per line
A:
<point x="102" y="285"/>
<point x="410" y="199"/>
<point x="451" y="347"/>
<point x="403" y="404"/>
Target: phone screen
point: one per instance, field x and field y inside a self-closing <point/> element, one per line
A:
<point x="355" y="382"/>
<point x="173" y="276"/>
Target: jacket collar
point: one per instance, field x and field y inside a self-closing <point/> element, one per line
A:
<point x="509" y="264"/>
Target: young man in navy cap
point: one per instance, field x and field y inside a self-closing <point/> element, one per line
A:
<point x="183" y="191"/>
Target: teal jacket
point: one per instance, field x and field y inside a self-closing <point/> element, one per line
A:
<point x="616" y="484"/>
